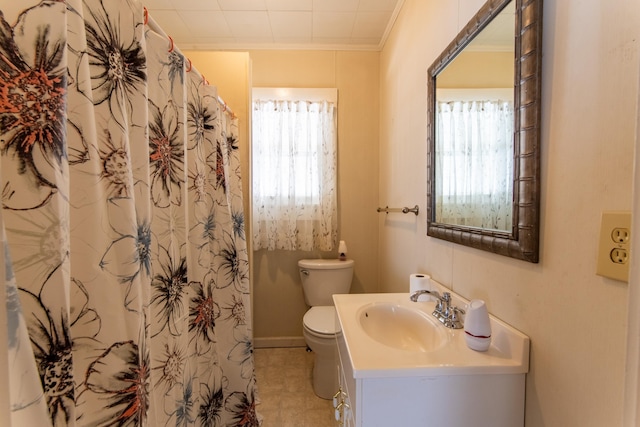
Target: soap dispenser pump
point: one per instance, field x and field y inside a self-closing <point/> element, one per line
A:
<point x="342" y="251"/>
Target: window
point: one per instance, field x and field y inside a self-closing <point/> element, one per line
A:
<point x="294" y="158"/>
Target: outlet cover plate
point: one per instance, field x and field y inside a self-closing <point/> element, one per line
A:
<point x="614" y="251"/>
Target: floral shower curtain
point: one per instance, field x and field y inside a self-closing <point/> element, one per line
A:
<point x="126" y="262"/>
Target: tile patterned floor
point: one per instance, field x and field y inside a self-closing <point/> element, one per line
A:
<point x="285" y="391"/>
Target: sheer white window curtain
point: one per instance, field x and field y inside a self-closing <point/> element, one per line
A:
<point x="294" y="175"/>
<point x="475" y="163"/>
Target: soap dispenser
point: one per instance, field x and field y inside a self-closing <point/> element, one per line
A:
<point x="477" y="326"/>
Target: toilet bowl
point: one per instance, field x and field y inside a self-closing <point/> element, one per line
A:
<point x="321" y="279"/>
<point x="319" y="331"/>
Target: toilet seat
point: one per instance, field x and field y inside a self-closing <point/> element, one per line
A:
<point x="321" y="321"/>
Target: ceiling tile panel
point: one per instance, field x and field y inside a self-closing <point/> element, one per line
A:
<point x="332" y="41"/>
<point x="195" y="4"/>
<point x="291" y="24"/>
<point x="158" y="4"/>
<point x="336" y="24"/>
<point x="209" y="43"/>
<point x="295" y="43"/>
<point x="205" y="24"/>
<point x="242" y="4"/>
<point x="245" y="24"/>
<point x="363" y="42"/>
<point x="335" y="5"/>
<point x="370" y="24"/>
<point x="371" y="5"/>
<point x="249" y="24"/>
<point x="171" y="23"/>
<point x="305" y="5"/>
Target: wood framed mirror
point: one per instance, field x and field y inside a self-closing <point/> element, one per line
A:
<point x="458" y="81"/>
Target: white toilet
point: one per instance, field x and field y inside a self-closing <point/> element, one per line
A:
<point x="321" y="278"/>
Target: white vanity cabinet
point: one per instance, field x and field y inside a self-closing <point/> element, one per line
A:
<point x="474" y="389"/>
<point x="342" y="402"/>
<point x="451" y="401"/>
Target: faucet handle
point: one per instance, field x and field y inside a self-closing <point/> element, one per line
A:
<point x="454" y="320"/>
<point x="455" y="311"/>
<point x="445" y="304"/>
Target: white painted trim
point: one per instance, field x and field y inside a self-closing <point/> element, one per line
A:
<point x="271" y="342"/>
<point x="631" y="416"/>
<point x="390" y="25"/>
<point x="295" y="94"/>
<point x="309" y="46"/>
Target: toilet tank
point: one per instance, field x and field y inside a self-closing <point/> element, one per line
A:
<point x="321" y="278"/>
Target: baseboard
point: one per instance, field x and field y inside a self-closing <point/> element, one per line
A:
<point x="268" y="342"/>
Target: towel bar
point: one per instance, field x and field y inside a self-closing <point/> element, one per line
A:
<point x="404" y="210"/>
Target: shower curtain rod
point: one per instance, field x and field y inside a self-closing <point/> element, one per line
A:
<point x="153" y="25"/>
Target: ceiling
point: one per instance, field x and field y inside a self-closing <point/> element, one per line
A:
<point x="275" y="24"/>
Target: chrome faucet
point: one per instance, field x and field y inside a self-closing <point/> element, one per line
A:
<point x="414" y="296"/>
<point x="440" y="300"/>
<point x="447" y="314"/>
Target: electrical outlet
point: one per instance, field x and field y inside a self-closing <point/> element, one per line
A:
<point x="619" y="256"/>
<point x="620" y="235"/>
<point x="614" y="249"/>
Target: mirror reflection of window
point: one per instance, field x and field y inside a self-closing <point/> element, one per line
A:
<point x="474" y="162"/>
<point x="474" y="131"/>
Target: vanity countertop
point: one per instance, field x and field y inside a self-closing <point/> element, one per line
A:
<point x="508" y="353"/>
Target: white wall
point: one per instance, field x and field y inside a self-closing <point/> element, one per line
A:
<point x="278" y="301"/>
<point x="576" y="320"/>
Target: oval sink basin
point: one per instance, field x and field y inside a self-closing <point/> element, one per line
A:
<point x="401" y="327"/>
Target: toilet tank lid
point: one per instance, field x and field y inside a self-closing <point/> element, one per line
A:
<point x="325" y="264"/>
